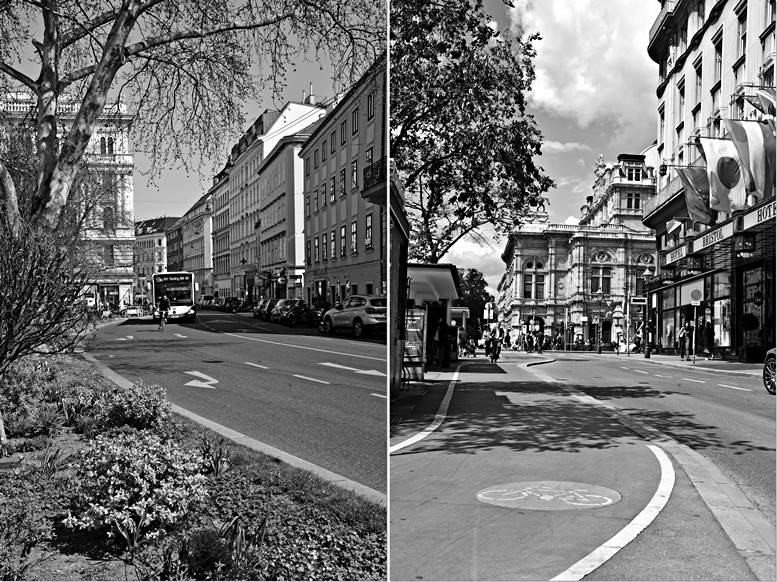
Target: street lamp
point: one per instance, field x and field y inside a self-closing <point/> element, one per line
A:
<point x="647" y="275"/>
<point x="599" y="299"/>
<point x="243" y="266"/>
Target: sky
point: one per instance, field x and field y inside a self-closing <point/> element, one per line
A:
<point x="174" y="191"/>
<point x="594" y="93"/>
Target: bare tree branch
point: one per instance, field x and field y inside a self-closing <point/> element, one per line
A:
<point x="19" y="76"/>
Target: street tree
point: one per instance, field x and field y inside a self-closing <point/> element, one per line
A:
<point x="474" y="295"/>
<point x="462" y="138"/>
<point x="181" y="67"/>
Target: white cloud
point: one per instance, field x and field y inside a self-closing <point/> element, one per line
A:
<point x="592" y="63"/>
<point x="486" y="258"/>
<point x="559" y="147"/>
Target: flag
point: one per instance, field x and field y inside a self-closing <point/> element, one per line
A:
<point x="763" y="101"/>
<point x="697" y="193"/>
<point x="673" y="225"/>
<point x="755" y="146"/>
<point x="726" y="178"/>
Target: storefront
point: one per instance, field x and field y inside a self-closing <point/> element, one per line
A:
<point x="721" y="281"/>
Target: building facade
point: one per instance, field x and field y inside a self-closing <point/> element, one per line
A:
<point x="197" y="244"/>
<point x="345" y="232"/>
<point x="245" y="194"/>
<point x="150" y="252"/>
<point x="106" y="195"/>
<point x="175" y="247"/>
<point x="219" y="191"/>
<point x="716" y="266"/>
<point x="581" y="283"/>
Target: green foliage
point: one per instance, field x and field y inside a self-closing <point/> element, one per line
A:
<point x="136" y="485"/>
<point x="462" y="139"/>
<point x="215" y="456"/>
<point x="474" y="295"/>
<point x="23" y="525"/>
<point x="139" y="406"/>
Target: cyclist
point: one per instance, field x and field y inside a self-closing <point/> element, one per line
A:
<point x="164" y="307"/>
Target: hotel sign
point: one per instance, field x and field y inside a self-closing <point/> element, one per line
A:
<point x="677" y="254"/>
<point x="713" y="237"/>
<point x="759" y="215"/>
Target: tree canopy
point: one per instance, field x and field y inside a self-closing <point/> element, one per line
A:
<point x="461" y="136"/>
<point x="474" y="295"/>
<point x="183" y="67"/>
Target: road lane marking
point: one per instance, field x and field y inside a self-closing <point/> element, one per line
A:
<point x="205" y="382"/>
<point x="625" y="368"/>
<point x="124" y="339"/>
<point x="311" y="379"/>
<point x="438" y="418"/>
<point x="641" y="371"/>
<point x="643" y="519"/>
<point x="340" y="366"/>
<point x="378" y="395"/>
<point x="350" y="369"/>
<point x="256" y="365"/>
<point x="254" y="339"/>
<point x="180" y="335"/>
<point x="659" y="376"/>
<point x="697" y="381"/>
<point x="735" y="387"/>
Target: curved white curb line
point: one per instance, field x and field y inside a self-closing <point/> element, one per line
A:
<point x="438" y="418"/>
<point x="643" y="519"/>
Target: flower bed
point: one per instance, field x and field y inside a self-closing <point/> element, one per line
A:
<point x="111" y="484"/>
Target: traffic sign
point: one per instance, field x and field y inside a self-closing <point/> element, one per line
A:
<point x="696" y="303"/>
<point x="639" y="300"/>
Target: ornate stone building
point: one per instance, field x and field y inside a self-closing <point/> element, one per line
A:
<point x="151" y="247"/>
<point x="577" y="282"/>
<point x="108" y="232"/>
<point x="197" y="243"/>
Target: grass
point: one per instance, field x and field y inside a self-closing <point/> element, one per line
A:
<point x="261" y="519"/>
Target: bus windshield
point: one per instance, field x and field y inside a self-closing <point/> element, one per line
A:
<point x="177" y="286"/>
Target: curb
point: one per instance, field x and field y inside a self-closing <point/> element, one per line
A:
<point x="362" y="490"/>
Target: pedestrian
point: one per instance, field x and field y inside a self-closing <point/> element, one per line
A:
<point x="445" y="350"/>
<point x="681" y="339"/>
<point x="540" y="340"/>
<point x="487" y="340"/>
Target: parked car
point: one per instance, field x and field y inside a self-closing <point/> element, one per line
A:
<point x="231" y="304"/>
<point x="257" y="310"/>
<point x="298" y="311"/>
<point x="768" y="371"/>
<point x="264" y="312"/>
<point x="206" y="301"/>
<point x="278" y="309"/>
<point x="247" y="305"/>
<point x="361" y="313"/>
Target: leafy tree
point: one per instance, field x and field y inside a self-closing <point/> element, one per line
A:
<point x="475" y="296"/>
<point x="181" y="67"/>
<point x="460" y="134"/>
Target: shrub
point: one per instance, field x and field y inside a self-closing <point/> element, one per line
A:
<point x="136" y="485"/>
<point x="23" y="525"/>
<point x="139" y="406"/>
<point x="215" y="456"/>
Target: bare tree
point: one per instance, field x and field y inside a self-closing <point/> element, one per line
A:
<point x="184" y="66"/>
<point x="177" y="72"/>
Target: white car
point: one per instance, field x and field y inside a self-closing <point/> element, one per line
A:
<point x="360" y="313"/>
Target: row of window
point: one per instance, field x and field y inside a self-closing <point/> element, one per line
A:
<point x="317" y="252"/>
<point x="600" y="280"/>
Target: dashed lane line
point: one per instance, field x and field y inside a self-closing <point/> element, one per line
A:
<point x="377" y="395"/>
<point x="311" y="379"/>
<point x="735" y="387"/>
<point x="643" y="519"/>
<point x="256" y="365"/>
<point x="352" y="355"/>
<point x="625" y="368"/>
<point x="697" y="381"/>
<point x="641" y="371"/>
<point x="659" y="376"/>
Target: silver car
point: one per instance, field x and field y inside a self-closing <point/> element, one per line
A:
<point x="360" y="313"/>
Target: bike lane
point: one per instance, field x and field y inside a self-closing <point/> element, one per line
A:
<point x="551" y="458"/>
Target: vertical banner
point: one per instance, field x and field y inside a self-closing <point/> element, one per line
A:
<point x="415" y="344"/>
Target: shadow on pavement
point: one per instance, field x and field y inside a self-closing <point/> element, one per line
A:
<point x="537" y="417"/>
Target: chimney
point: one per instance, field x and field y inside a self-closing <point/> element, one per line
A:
<point x="311" y="100"/>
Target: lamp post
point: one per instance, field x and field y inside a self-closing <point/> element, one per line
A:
<point x="646" y="321"/>
<point x="599" y="300"/>
<point x="243" y="266"/>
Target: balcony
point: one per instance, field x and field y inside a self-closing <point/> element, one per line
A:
<point x="667" y="10"/>
<point x="374" y="182"/>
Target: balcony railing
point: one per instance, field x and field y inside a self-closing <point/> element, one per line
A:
<point x="666" y="11"/>
<point x="375" y="174"/>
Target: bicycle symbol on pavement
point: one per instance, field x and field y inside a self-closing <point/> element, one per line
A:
<point x="548" y="495"/>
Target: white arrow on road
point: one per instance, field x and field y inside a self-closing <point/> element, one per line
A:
<point x="206" y="381"/>
<point x="357" y="370"/>
<point x="124" y="339"/>
<point x="181" y="335"/>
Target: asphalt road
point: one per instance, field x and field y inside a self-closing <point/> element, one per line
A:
<point x="729" y="419"/>
<point x="322" y="399"/>
<point x="505" y="426"/>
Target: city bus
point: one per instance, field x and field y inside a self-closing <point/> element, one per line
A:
<point x="179" y="287"/>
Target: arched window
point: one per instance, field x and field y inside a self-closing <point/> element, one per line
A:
<point x="102" y="146"/>
<point x="601" y="273"/>
<point x="110" y="146"/>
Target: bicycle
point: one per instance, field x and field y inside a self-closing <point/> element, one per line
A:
<point x="162" y="320"/>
